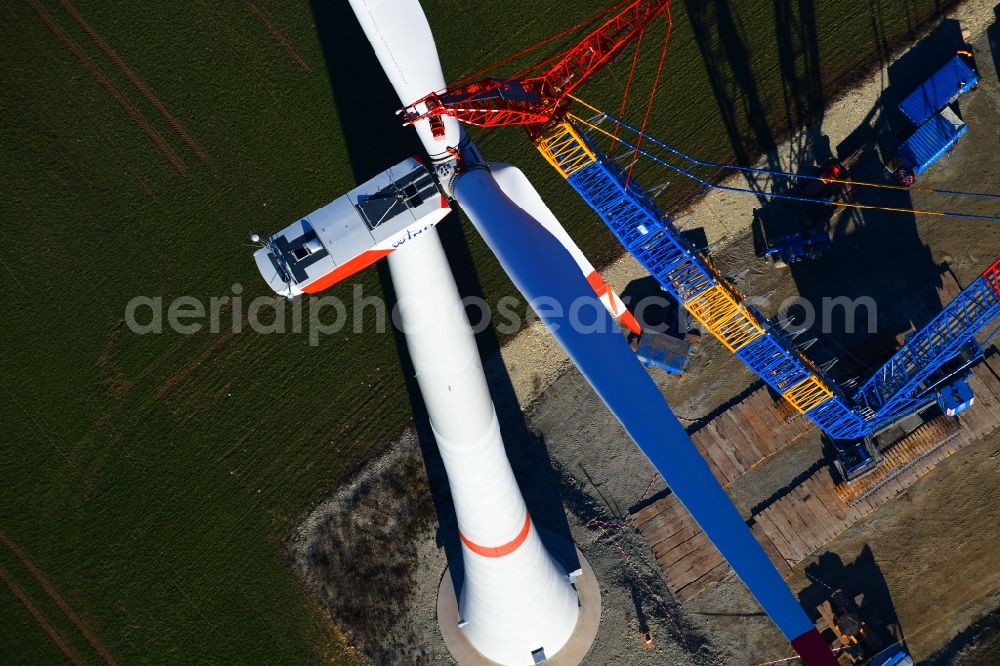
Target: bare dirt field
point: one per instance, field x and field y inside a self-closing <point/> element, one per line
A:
<point x="927" y="562"/>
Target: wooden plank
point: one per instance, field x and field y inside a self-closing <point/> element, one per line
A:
<point x="763" y="405"/>
<point x="771" y="550"/>
<point x="798" y="426"/>
<point x="667" y="528"/>
<point x="756" y="399"/>
<point x="763" y="524"/>
<point x="697" y="565"/>
<point x="756" y="432"/>
<point x="679" y="558"/>
<point x="799" y="522"/>
<point x="704" y="440"/>
<point x="823" y="489"/>
<point x="985" y="404"/>
<point x="864" y="507"/>
<point x="973" y="420"/>
<point x="976" y="417"/>
<point x="701" y="438"/>
<point x="674" y="547"/>
<point x="990" y="406"/>
<point x="663" y="525"/>
<point x="833" y="520"/>
<point x="797" y="547"/>
<point x="762" y="437"/>
<point x="796" y="522"/>
<point x="893" y="489"/>
<point x="888" y="490"/>
<point x="745" y="452"/>
<point x="784" y="411"/>
<point x="666" y="536"/>
<point x="827" y="519"/>
<point x="691" y="590"/>
<point x="693" y="551"/>
<point x="824" y="522"/>
<point x="989" y="372"/>
<point x="717" y="453"/>
<point x="737" y="467"/>
<point x="659" y="527"/>
<point x="808" y="518"/>
<point x="673" y="530"/>
<point x="654" y="509"/>
<point x="663" y="509"/>
<point x="776" y="534"/>
<point x="846" y="492"/>
<point x="715" y="449"/>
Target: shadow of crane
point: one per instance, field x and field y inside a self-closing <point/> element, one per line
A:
<point x="875" y="254"/>
<point x="861" y="580"/>
<point x="726" y="57"/>
<point x="993" y="36"/>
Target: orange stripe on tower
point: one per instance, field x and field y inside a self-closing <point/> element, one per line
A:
<point x="363" y="260"/>
<point x="499" y="551"/>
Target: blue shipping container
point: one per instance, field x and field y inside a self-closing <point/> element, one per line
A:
<point x="938" y="91"/>
<point x="664" y="351"/>
<point x="931" y="141"/>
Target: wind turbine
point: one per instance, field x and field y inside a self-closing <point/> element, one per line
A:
<point x="540" y="266"/>
<point x="516" y="602"/>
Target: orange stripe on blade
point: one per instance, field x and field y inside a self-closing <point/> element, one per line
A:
<point x="602" y="289"/>
<point x="499" y="551"/>
<point x="597" y="283"/>
<point x="631" y="322"/>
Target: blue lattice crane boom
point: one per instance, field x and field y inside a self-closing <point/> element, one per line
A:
<point x="896" y="389"/>
<point x="899" y="386"/>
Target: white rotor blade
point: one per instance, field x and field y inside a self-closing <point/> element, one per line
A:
<point x="519" y="189"/>
<point x="403" y="43"/>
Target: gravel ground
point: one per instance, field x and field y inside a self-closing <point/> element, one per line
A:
<point x="928" y="560"/>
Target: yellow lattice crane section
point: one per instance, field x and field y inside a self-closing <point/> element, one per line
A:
<point x="808" y="394"/>
<point x="564" y="148"/>
<point x="726" y="319"/>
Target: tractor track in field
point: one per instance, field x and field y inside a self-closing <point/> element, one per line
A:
<point x="40" y="618"/>
<point x="84" y="628"/>
<point x="185" y="373"/>
<point x="279" y="37"/>
<point x="91" y="68"/>
<point x="136" y="81"/>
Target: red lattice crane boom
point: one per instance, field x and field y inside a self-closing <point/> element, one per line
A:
<point x="538" y="99"/>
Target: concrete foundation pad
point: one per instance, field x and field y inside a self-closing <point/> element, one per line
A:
<point x="571" y="654"/>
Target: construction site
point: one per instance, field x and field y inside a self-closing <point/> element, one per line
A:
<point x="750" y="415"/>
<point x="889" y="542"/>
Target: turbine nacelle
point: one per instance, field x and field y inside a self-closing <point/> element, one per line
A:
<point x="353" y="231"/>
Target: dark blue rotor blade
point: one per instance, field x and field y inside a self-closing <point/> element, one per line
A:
<point x="545" y="273"/>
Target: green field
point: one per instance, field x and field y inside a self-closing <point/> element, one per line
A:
<point x="151" y="479"/>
